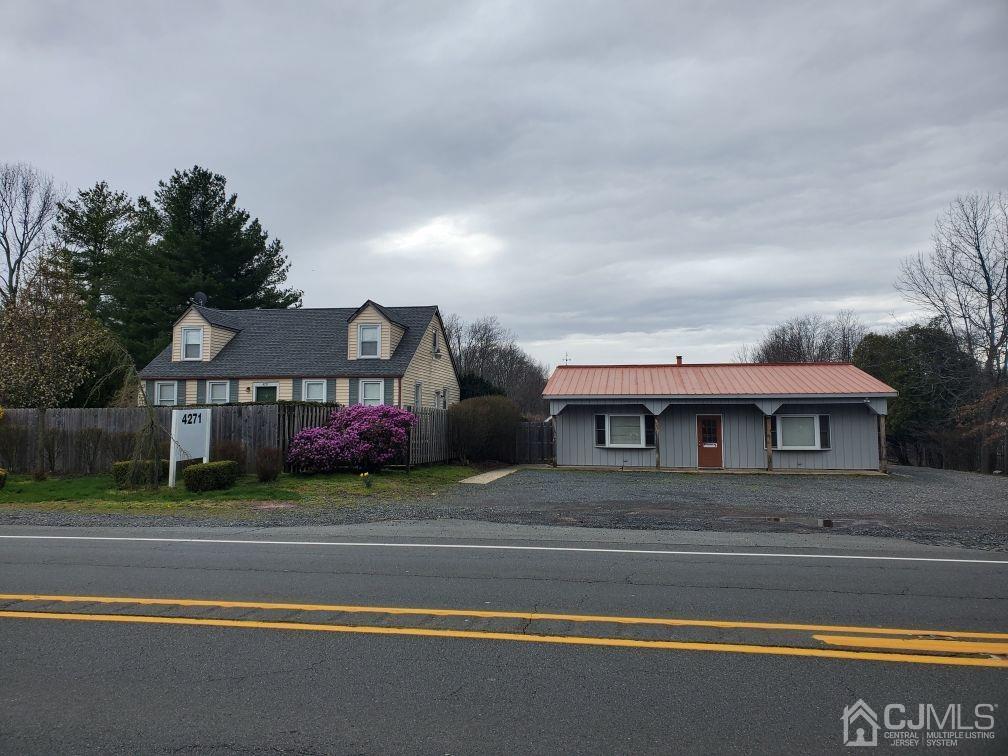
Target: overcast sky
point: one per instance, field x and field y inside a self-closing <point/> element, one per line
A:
<point x="619" y="181"/>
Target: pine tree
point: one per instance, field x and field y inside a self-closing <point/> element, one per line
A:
<point x="97" y="229"/>
<point x="200" y="240"/>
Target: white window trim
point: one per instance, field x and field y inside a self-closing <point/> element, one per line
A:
<point x="304" y="390"/>
<point x="815" y="419"/>
<point x="227" y="391"/>
<point x="609" y="445"/>
<point x="265" y="384"/>
<point x="157" y="393"/>
<point x="360" y="329"/>
<point x="381" y="393"/>
<point x="188" y="329"/>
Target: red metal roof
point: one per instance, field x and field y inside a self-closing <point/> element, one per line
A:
<point x="715" y="380"/>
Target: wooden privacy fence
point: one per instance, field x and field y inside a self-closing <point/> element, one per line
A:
<point x="534" y="443"/>
<point x="430" y="438"/>
<point x="77" y="440"/>
<point x="86" y="441"/>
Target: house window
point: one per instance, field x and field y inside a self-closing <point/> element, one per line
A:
<point x="417" y="395"/>
<point x="313" y="391"/>
<point x="444" y="398"/>
<point x="800" y="432"/>
<point x="192" y="343"/>
<point x="166" y="393"/>
<point x="372" y="393"/>
<point x="368" y="340"/>
<point x="265" y="393"/>
<point x="435" y="346"/>
<point x="625" y="430"/>
<point x="218" y="392"/>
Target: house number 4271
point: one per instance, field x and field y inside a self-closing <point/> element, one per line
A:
<point x="192" y="418"/>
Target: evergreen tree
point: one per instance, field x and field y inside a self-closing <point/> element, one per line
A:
<point x="200" y="240"/>
<point x="96" y="229"/>
<point x="934" y="378"/>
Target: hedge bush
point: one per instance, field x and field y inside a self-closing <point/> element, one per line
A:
<point x="269" y="463"/>
<point x="130" y="474"/>
<point x="233" y="450"/>
<point x="484" y="428"/>
<point x="210" y="476"/>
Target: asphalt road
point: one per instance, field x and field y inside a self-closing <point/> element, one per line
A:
<point x="474" y="666"/>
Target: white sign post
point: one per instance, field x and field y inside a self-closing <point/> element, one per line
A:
<point x="190" y="438"/>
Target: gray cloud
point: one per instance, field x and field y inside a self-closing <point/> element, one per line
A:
<point x="620" y="181"/>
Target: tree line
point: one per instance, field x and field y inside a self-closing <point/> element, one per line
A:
<point x="951" y="370"/>
<point x="129" y="266"/>
<point x="491" y="362"/>
<point x="134" y="263"/>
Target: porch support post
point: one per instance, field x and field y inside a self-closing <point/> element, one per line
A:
<point x="883" y="464"/>
<point x="657" y="442"/>
<point x="768" y="440"/>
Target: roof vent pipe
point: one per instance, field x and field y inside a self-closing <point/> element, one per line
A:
<point x="678" y="359"/>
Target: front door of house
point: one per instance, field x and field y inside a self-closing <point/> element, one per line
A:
<point x="710" y="451"/>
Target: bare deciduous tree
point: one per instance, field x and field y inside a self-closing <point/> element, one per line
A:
<point x="963" y="281"/>
<point x="28" y="203"/>
<point x="808" y="338"/>
<point x="487" y="349"/>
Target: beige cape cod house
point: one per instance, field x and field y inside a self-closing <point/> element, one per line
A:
<point x="368" y="355"/>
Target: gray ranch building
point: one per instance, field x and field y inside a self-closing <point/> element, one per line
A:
<point x="733" y="416"/>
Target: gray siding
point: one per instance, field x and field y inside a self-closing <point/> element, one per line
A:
<point x="853" y="431"/>
<point x="575" y="440"/>
<point x="741" y="431"/>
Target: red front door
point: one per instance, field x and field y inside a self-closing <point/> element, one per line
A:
<point x="709" y="446"/>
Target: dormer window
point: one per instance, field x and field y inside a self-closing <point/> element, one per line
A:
<point x="368" y="340"/>
<point x="192" y="343"/>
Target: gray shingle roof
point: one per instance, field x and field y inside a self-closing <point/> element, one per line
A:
<point x="296" y="342"/>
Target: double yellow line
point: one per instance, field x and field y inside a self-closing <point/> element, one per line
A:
<point x="897" y="644"/>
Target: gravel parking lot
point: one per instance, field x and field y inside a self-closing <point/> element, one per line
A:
<point x="932" y="506"/>
<point x="936" y="507"/>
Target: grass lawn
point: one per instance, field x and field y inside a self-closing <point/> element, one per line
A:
<point x="97" y="493"/>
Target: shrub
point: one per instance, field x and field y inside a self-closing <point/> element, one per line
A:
<point x="120" y="444"/>
<point x="484" y="428"/>
<point x="357" y="437"/>
<point x="3" y="476"/>
<point x="91" y="443"/>
<point x="130" y="474"/>
<point x="16" y="445"/>
<point x="233" y="450"/>
<point x="472" y="385"/>
<point x="210" y="476"/>
<point x="269" y="463"/>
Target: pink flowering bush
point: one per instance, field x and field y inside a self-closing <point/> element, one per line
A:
<point x="357" y="438"/>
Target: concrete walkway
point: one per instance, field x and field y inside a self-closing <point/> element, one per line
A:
<point x="489" y="477"/>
